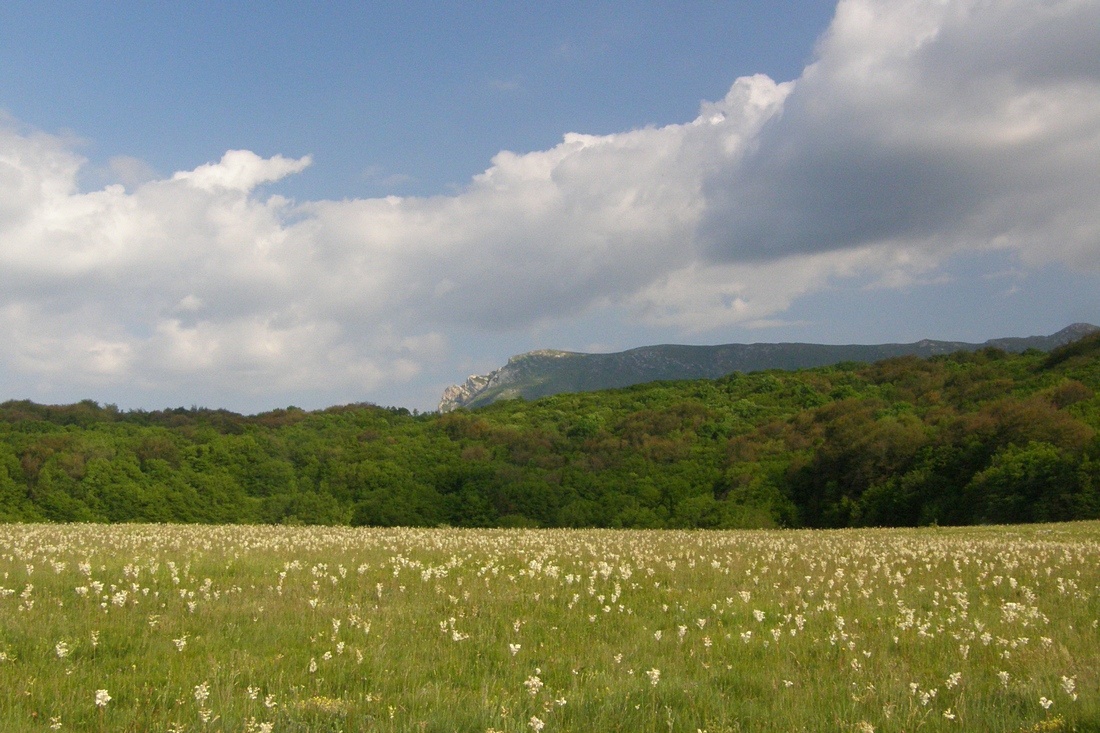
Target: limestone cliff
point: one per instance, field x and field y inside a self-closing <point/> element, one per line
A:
<point x="496" y="384"/>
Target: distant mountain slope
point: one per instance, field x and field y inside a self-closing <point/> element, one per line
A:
<point x="547" y="372"/>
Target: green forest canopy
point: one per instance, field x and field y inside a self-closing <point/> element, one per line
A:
<point x="984" y="437"/>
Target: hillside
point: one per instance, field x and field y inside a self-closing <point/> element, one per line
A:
<point x="965" y="438"/>
<point x="547" y="372"/>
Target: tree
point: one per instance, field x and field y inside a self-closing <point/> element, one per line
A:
<point x="1032" y="483"/>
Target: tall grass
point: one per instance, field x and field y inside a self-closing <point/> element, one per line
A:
<point x="192" y="628"/>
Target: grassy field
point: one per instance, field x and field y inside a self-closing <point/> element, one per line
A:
<point x="247" y="628"/>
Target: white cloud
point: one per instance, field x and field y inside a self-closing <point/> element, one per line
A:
<point x="955" y="125"/>
<point x="241" y="170"/>
<point x="921" y="130"/>
<point x="129" y="171"/>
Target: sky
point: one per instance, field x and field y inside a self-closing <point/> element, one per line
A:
<point x="255" y="205"/>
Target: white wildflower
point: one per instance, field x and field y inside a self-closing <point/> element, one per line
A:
<point x="202" y="692"/>
<point x="533" y="685"/>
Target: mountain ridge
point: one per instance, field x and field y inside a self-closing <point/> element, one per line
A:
<point x="546" y="372"/>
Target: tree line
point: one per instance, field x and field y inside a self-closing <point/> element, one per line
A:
<point x="983" y="437"/>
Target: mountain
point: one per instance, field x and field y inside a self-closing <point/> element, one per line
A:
<point x="548" y="372"/>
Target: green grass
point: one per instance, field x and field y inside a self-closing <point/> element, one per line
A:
<point x="336" y="629"/>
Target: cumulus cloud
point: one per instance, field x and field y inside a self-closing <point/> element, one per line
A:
<point x="930" y="125"/>
<point x="920" y="131"/>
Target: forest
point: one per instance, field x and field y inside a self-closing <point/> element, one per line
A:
<point x="968" y="438"/>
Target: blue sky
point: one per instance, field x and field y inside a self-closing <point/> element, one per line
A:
<point x="251" y="205"/>
<point x="406" y="98"/>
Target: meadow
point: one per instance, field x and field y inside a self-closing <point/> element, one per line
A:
<point x="264" y="628"/>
